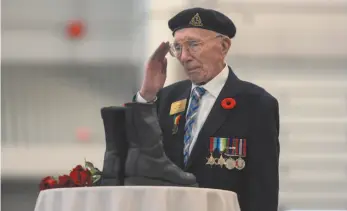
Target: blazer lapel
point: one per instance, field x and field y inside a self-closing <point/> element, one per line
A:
<point x="217" y="116"/>
<point x="179" y="136"/>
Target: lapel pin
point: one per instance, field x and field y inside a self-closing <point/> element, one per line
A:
<point x="228" y="103"/>
<point x="176" y="122"/>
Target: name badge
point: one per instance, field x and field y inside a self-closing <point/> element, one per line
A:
<point x="178" y="106"/>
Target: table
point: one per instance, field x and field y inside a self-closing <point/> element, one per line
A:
<point x="136" y="198"/>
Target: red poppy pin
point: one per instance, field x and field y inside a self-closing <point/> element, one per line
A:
<point x="228" y="103"/>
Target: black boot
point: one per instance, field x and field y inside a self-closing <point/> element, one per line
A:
<point x="116" y="146"/>
<point x="147" y="163"/>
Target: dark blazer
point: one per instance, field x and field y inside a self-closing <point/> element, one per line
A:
<point x="255" y="118"/>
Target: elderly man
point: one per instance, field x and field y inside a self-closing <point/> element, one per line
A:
<point x="216" y="126"/>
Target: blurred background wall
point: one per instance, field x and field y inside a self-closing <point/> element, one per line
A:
<point x="53" y="86"/>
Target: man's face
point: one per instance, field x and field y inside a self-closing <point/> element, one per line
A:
<point x="200" y="52"/>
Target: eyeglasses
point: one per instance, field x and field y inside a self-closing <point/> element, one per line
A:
<point x="193" y="46"/>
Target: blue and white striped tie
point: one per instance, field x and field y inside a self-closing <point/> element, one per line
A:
<point x="196" y="95"/>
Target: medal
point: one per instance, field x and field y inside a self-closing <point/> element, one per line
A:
<point x="230" y="163"/>
<point x="221" y="161"/>
<point x="222" y="145"/>
<point x="211" y="161"/>
<point x="240" y="163"/>
<point x="242" y="150"/>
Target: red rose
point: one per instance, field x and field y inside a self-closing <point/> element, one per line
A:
<point x="48" y="183"/>
<point x="228" y="103"/>
<point x="66" y="181"/>
<point x="81" y="176"/>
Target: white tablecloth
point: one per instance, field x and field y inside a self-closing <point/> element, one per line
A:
<point x="136" y="198"/>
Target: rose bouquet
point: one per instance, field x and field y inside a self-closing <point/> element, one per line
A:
<point x="78" y="177"/>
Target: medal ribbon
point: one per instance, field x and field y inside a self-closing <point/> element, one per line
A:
<point x="222" y="144"/>
<point x="238" y="146"/>
<point x="234" y="147"/>
<point x="216" y="143"/>
<point x="242" y="148"/>
<point x="229" y="145"/>
<point x="177" y="119"/>
<point x="212" y="144"/>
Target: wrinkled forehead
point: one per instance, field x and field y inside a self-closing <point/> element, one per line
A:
<point x="192" y="34"/>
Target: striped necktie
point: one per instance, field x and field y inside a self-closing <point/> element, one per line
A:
<point x="196" y="95"/>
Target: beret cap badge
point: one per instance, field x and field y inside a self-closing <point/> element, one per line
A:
<point x="196" y="20"/>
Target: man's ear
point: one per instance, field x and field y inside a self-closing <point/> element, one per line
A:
<point x="226" y="43"/>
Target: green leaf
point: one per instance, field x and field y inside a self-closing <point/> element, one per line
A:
<point x="96" y="178"/>
<point x="93" y="171"/>
<point x="89" y="165"/>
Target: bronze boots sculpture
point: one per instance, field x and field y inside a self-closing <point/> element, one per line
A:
<point x="147" y="163"/>
<point x="116" y="146"/>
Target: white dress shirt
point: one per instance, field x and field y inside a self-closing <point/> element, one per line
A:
<point x="213" y="88"/>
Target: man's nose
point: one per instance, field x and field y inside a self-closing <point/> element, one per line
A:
<point x="185" y="55"/>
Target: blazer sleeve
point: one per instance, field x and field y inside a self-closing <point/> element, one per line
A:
<point x="262" y="173"/>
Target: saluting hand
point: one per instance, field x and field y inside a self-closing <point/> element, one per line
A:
<point x="155" y="73"/>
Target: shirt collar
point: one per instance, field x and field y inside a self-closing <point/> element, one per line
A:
<point x="216" y="84"/>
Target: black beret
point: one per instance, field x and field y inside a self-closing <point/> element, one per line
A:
<point x="203" y="18"/>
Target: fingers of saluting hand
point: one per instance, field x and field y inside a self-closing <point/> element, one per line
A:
<point x="160" y="53"/>
<point x="163" y="70"/>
